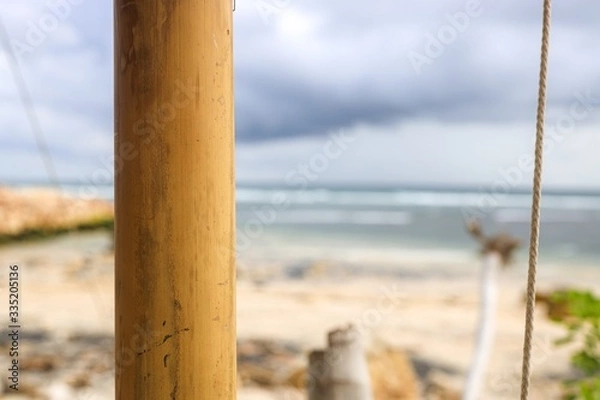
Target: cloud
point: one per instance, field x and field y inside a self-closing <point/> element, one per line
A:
<point x="349" y="64"/>
<point x="69" y="79"/>
<point x="311" y="68"/>
<point x="429" y="153"/>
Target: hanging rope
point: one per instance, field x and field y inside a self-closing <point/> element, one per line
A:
<point x="535" y="207"/>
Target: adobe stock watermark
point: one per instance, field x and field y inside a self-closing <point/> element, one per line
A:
<point x="269" y="8"/>
<point x="436" y="43"/>
<point x="580" y="109"/>
<point x="298" y="177"/>
<point x="139" y="343"/>
<point x="37" y="31"/>
<point x="146" y="128"/>
<point x="389" y="299"/>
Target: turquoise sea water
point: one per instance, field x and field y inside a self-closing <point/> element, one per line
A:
<point x="417" y="218"/>
<point x="408" y="218"/>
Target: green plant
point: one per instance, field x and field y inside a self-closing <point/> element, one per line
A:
<point x="583" y="327"/>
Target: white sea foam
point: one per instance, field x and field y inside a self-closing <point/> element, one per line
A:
<point x="473" y="199"/>
<point x="513" y="215"/>
<point x="415" y="198"/>
<point x="328" y="216"/>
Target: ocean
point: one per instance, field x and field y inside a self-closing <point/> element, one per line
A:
<point x="319" y="221"/>
<point x="416" y="220"/>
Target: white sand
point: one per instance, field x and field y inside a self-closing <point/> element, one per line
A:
<point x="433" y="318"/>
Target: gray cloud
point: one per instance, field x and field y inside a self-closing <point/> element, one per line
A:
<point x="320" y="66"/>
<point x="353" y="65"/>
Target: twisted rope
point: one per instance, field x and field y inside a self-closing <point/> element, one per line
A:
<point x="535" y="208"/>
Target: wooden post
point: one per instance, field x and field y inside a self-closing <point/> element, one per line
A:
<point x="497" y="251"/>
<point x="341" y="371"/>
<point x="174" y="200"/>
<point x="486" y="326"/>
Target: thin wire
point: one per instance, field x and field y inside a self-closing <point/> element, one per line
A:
<point x="535" y="207"/>
<point x="25" y="98"/>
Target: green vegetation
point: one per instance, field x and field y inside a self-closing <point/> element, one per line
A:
<point x="582" y="322"/>
<point x="46" y="232"/>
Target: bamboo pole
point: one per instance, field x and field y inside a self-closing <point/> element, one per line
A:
<point x="174" y="200"/>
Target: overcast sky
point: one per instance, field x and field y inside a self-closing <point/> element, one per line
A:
<point x="420" y="92"/>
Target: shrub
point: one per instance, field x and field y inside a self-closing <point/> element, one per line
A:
<point x="583" y="327"/>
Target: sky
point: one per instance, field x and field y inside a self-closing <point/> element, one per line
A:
<point x="390" y="93"/>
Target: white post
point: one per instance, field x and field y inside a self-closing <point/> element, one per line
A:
<point x="341" y="371"/>
<point x="485" y="330"/>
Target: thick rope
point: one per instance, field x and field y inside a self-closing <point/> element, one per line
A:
<point x="535" y="208"/>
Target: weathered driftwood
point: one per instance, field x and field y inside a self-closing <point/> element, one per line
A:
<point x="339" y="372"/>
<point x="485" y="329"/>
<point x="502" y="243"/>
<point x="497" y="252"/>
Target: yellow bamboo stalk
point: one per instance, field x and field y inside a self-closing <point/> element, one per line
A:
<point x="174" y="200"/>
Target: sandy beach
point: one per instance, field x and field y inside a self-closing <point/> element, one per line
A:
<point x="422" y="305"/>
<point x="205" y="200"/>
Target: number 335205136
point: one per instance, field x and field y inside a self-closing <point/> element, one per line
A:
<point x="13" y="288"/>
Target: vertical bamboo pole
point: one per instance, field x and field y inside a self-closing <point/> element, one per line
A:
<point x="174" y="199"/>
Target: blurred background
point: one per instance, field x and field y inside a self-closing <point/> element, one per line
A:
<point x="366" y="136"/>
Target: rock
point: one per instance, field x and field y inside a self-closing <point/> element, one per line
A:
<point x="297" y="379"/>
<point x="48" y="210"/>
<point x="79" y="381"/>
<point x="40" y="363"/>
<point x="267" y="363"/>
<point x="393" y="376"/>
<point x="26" y="391"/>
<point x="441" y="386"/>
<point x="555" y="310"/>
<point x="308" y="270"/>
<point x="391" y="372"/>
<point x="318" y="270"/>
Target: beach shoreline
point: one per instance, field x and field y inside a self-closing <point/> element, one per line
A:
<point x="429" y="313"/>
